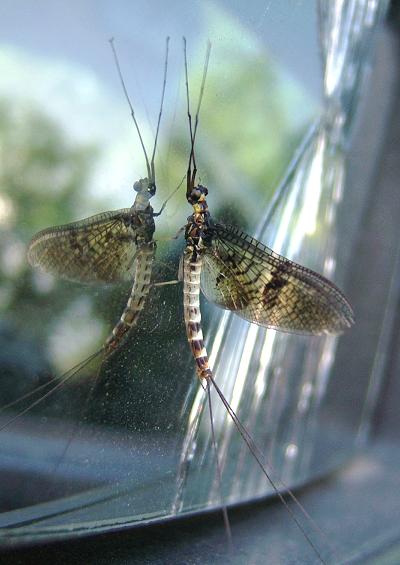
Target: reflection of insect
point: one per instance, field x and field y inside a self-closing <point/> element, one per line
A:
<point x="109" y="247"/>
<point x="238" y="273"/>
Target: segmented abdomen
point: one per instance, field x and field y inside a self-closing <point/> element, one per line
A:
<point x="140" y="290"/>
<point x="191" y="306"/>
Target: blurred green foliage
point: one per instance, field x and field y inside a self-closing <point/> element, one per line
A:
<point x="245" y="140"/>
<point x="41" y="180"/>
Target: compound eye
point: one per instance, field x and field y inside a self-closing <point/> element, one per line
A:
<point x="141" y="185"/>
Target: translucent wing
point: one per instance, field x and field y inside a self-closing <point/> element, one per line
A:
<point x="241" y="274"/>
<point x="101" y="248"/>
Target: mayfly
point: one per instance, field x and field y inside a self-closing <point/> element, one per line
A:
<point x="238" y="273"/>
<point x="110" y="247"/>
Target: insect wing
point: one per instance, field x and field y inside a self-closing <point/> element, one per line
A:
<point x="241" y="274"/>
<point x="101" y="248"/>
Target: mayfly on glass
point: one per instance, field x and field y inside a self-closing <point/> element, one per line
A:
<point x="238" y="273"/>
<point x="110" y="247"/>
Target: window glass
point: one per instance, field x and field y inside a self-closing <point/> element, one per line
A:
<point x="129" y="440"/>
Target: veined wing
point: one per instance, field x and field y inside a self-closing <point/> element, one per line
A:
<point x="101" y="248"/>
<point x="241" y="274"/>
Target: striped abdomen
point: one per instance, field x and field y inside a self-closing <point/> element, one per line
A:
<point x="191" y="306"/>
<point x="140" y="290"/>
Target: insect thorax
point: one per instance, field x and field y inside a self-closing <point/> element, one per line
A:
<point x="142" y="201"/>
<point x="198" y="233"/>
<point x="142" y="221"/>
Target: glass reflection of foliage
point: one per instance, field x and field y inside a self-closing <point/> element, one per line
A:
<point x="245" y="140"/>
<point x="42" y="178"/>
<point x="247" y="132"/>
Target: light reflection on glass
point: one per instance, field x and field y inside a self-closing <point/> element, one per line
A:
<point x="275" y="381"/>
<point x="62" y="342"/>
<point x="7" y="211"/>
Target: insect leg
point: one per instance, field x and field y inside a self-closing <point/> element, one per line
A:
<point x="155" y="214"/>
<point x="153" y="174"/>
<point x="165" y="283"/>
<point x="130" y="105"/>
<point x="170" y="238"/>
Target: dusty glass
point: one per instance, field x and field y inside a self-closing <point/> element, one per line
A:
<point x="129" y="441"/>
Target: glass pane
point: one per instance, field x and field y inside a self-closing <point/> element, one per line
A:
<point x="129" y="441"/>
